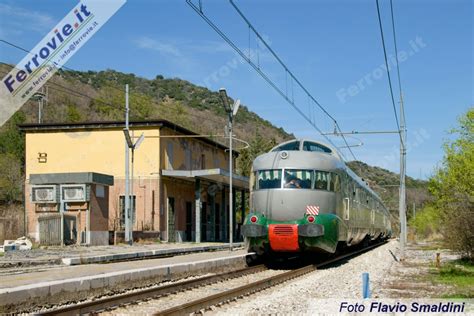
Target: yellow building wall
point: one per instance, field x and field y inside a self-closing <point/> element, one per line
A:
<point x="90" y="151"/>
<point x="187" y="153"/>
<point x="102" y="151"/>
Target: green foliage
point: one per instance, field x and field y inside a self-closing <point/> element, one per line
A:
<point x="109" y="103"/>
<point x="141" y="106"/>
<point x="426" y="222"/>
<point x="258" y="146"/>
<point x="11" y="178"/>
<point x="73" y="114"/>
<point x="11" y="139"/>
<point x="459" y="274"/>
<point x="453" y="188"/>
<point x="385" y="184"/>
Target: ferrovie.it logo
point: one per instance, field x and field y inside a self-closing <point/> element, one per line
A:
<point x="52" y="52"/>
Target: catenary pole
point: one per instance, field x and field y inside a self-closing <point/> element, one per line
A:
<point x="127" y="162"/>
<point x="402" y="196"/>
<point x="231" y="206"/>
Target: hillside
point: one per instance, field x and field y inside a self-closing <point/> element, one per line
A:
<point x="385" y="184"/>
<point x="75" y="96"/>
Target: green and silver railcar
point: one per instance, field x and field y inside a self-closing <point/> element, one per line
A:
<point x="303" y="197"/>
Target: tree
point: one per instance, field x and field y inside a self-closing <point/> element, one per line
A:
<point x="453" y="188"/>
<point x="258" y="146"/>
<point x="11" y="178"/>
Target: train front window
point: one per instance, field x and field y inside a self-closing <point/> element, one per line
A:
<point x="315" y="147"/>
<point x="321" y="180"/>
<point x="298" y="179"/>
<point x="268" y="179"/>
<point x="289" y="146"/>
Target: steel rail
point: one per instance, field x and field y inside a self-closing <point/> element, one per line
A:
<point x="127" y="298"/>
<point x="257" y="286"/>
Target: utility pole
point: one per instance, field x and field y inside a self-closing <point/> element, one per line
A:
<point x="40" y="97"/>
<point x="402" y="195"/>
<point x="231" y="111"/>
<point x="127" y="185"/>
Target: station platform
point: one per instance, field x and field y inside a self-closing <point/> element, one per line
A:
<point x="58" y="284"/>
<point x="73" y="255"/>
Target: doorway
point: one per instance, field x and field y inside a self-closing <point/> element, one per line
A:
<point x="189" y="221"/>
<point x="171" y="220"/>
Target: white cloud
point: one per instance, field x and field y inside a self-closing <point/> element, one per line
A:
<point x="17" y="18"/>
<point x="182" y="47"/>
<point x="159" y="46"/>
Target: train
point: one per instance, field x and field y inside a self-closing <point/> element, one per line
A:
<point x="304" y="198"/>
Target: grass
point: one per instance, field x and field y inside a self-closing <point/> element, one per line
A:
<point x="459" y="274"/>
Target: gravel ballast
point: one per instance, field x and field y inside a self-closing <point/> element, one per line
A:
<point x="341" y="281"/>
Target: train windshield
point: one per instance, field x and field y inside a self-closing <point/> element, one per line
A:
<point x="298" y="179"/>
<point x="311" y="146"/>
<point x="289" y="146"/>
<point x="268" y="179"/>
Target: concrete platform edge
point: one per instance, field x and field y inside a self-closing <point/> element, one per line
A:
<point x="143" y="254"/>
<point x="26" y="297"/>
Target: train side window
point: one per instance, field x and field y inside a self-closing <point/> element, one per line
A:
<point x="321" y="180"/>
<point x="346" y="208"/>
<point x="268" y="179"/>
<point x="335" y="184"/>
<point x="289" y="146"/>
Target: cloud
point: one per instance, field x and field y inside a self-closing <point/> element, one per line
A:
<point x="159" y="46"/>
<point x="179" y="48"/>
<point x="18" y="18"/>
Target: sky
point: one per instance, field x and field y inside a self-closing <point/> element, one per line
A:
<point x="333" y="48"/>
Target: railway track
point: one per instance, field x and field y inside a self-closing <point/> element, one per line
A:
<point x="148" y="293"/>
<point x="106" y="304"/>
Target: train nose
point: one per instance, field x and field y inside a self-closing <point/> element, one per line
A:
<point x="283" y="237"/>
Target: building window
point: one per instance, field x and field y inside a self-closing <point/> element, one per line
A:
<point x="169" y="156"/>
<point x="122" y="209"/>
<point x="203" y="161"/>
<point x="188" y="159"/>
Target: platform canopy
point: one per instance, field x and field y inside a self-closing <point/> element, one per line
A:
<point x="215" y="175"/>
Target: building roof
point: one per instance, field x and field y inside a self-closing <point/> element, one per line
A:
<point x="72" y="178"/>
<point x="81" y="126"/>
<point x="216" y="175"/>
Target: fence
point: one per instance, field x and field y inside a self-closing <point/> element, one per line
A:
<point x="12" y="221"/>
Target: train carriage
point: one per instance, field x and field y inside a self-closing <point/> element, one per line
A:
<point x="304" y="198"/>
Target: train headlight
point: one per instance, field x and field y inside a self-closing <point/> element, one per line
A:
<point x="311" y="219"/>
<point x="254" y="219"/>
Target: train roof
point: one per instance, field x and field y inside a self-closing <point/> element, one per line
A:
<point x="299" y="155"/>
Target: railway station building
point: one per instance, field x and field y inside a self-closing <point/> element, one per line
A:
<point x="75" y="184"/>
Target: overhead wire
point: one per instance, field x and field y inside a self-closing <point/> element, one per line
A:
<point x="388" y="71"/>
<point x="396" y="57"/>
<point x="258" y="69"/>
